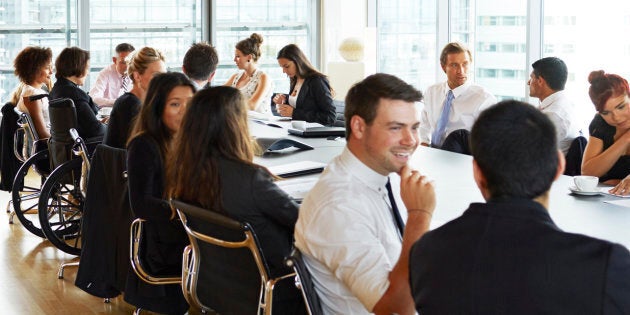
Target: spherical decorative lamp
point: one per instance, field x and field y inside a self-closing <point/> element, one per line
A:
<point x="351" y="49"/>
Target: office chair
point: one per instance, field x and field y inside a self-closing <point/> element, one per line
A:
<point x="224" y="267"/>
<point x="304" y="282"/>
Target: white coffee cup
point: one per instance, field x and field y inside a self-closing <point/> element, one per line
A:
<point x="586" y="183"/>
<point x="298" y="124"/>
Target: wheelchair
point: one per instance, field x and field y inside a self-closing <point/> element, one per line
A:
<point x="59" y="201"/>
<point x="32" y="151"/>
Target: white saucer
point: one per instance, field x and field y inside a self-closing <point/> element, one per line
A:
<point x="576" y="191"/>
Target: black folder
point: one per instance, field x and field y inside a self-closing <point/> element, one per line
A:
<point x="319" y="132"/>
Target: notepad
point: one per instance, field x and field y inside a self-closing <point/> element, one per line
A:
<point x="297" y="168"/>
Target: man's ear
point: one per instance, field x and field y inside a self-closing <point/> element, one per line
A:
<point x="211" y="76"/>
<point x="561" y="165"/>
<point x="184" y="70"/>
<point x="114" y="60"/>
<point x="357" y="125"/>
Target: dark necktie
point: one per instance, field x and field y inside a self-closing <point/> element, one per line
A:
<point x="399" y="222"/>
<point x="125" y="84"/>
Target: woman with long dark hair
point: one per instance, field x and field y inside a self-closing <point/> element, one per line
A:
<point x="212" y="166"/>
<point x="310" y="95"/>
<point x="159" y="120"/>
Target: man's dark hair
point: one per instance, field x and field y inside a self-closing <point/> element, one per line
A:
<point x="124" y="47"/>
<point x="363" y="97"/>
<point x="200" y="61"/>
<point x="553" y="70"/>
<point x="514" y="145"/>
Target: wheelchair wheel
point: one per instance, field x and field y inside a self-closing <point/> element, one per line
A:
<point x="61" y="207"/>
<point x="25" y="195"/>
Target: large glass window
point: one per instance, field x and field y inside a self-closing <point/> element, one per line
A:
<point x="47" y="23"/>
<point x="280" y="22"/>
<point x="170" y="26"/>
<point x="587" y="37"/>
<point x="407" y="40"/>
<point x="499" y="58"/>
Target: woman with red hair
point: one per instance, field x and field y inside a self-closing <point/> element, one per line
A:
<point x="607" y="154"/>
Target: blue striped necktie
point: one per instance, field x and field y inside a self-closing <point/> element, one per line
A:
<point x="443" y="121"/>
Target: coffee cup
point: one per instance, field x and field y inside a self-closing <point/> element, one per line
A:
<point x="586" y="183"/>
<point x="298" y="124"/>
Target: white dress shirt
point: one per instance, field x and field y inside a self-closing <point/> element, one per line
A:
<point x="108" y="86"/>
<point x="470" y="100"/>
<point x="348" y="236"/>
<point x="562" y="112"/>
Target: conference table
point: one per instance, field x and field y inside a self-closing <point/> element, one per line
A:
<point x="455" y="187"/>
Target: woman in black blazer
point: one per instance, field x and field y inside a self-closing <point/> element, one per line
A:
<point x="151" y="137"/>
<point x="72" y="66"/>
<point x="310" y="96"/>
<point x="212" y="166"/>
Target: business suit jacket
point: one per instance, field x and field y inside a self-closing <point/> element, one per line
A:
<point x="314" y="102"/>
<point x="105" y="226"/>
<point x="508" y="257"/>
<point x="88" y="125"/>
<point x="163" y="240"/>
<point x="248" y="194"/>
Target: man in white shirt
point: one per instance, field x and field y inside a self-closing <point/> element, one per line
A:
<point x="546" y="82"/>
<point x="440" y="118"/>
<point x="353" y="240"/>
<point x="200" y="63"/>
<point x="113" y="80"/>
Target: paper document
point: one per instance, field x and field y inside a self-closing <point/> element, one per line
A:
<point x="269" y="117"/>
<point x="604" y="191"/>
<point x="297" y="187"/>
<point x="619" y="202"/>
<point x="304" y="126"/>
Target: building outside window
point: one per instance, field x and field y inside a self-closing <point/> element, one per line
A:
<point x="280" y="22"/>
<point x="168" y="25"/>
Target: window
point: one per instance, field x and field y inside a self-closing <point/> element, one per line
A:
<point x="587" y="37"/>
<point x="280" y="22"/>
<point x="407" y="40"/>
<point x="48" y="23"/>
<point x="168" y="25"/>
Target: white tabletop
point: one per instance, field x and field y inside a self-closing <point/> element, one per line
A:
<point x="456" y="189"/>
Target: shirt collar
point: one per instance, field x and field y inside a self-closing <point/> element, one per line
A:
<point x="456" y="91"/>
<point x="361" y="171"/>
<point x="551" y="99"/>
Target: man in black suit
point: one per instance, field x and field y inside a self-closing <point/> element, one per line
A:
<point x="506" y="256"/>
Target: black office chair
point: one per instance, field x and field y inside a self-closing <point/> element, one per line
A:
<point x="340" y="107"/>
<point x="574" y="156"/>
<point x="304" y="282"/>
<point x="9" y="163"/>
<point x="224" y="267"/>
